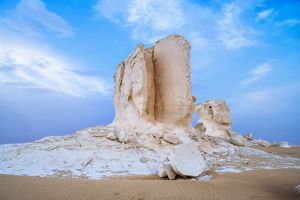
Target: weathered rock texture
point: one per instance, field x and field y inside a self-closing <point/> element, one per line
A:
<point x="153" y="85"/>
<point x="214" y="118"/>
<point x="187" y="160"/>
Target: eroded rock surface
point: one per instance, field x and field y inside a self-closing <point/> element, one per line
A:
<point x="187" y="160"/>
<point x="153" y="86"/>
<point x="214" y="118"/>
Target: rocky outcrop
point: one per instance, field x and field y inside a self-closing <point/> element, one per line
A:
<point x="153" y="86"/>
<point x="260" y="142"/>
<point x="237" y="140"/>
<point x="214" y="118"/>
<point x="249" y="136"/>
<point x="187" y="160"/>
<point x="280" y="144"/>
<point x="174" y="102"/>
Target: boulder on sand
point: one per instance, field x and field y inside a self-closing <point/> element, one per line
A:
<point x="187" y="160"/>
<point x="166" y="171"/>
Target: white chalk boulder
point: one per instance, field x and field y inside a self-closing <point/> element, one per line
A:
<point x="187" y="160"/>
<point x="166" y="171"/>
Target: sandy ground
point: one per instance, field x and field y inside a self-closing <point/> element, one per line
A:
<point x="262" y="184"/>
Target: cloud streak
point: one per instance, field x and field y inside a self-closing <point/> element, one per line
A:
<point x="150" y="20"/>
<point x="30" y="15"/>
<point x="258" y="73"/>
<point x="264" y="15"/>
<point x="232" y="33"/>
<point x="31" y="67"/>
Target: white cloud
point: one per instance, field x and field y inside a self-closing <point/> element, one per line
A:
<point x="232" y="33"/>
<point x="30" y="15"/>
<point x="265" y="99"/>
<point x="258" y="73"/>
<point x="32" y="67"/>
<point x="264" y="15"/>
<point x="149" y="19"/>
<point x="156" y="14"/>
<point x="288" y="23"/>
<point x="204" y="26"/>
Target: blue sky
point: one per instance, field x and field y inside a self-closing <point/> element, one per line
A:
<point x="58" y="58"/>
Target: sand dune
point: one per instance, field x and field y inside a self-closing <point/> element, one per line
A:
<point x="262" y="184"/>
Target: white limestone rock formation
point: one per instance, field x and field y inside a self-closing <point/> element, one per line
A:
<point x="174" y="102"/>
<point x="214" y="116"/>
<point x="134" y="95"/>
<point x="166" y="171"/>
<point x="281" y="144"/>
<point x="153" y="86"/>
<point x="187" y="160"/>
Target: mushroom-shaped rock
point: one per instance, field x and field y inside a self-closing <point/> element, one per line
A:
<point x="166" y="171"/>
<point x="187" y="160"/>
<point x="214" y="115"/>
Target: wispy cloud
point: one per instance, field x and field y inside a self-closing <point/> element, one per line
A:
<point x="288" y="23"/>
<point x="264" y="15"/>
<point x="149" y="19"/>
<point x="258" y="73"/>
<point x="264" y="99"/>
<point x="31" y="67"/>
<point x="232" y="33"/>
<point x="30" y="15"/>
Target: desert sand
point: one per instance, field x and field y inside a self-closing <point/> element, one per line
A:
<point x="261" y="184"/>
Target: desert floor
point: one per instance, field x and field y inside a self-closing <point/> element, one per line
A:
<point x="262" y="184"/>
